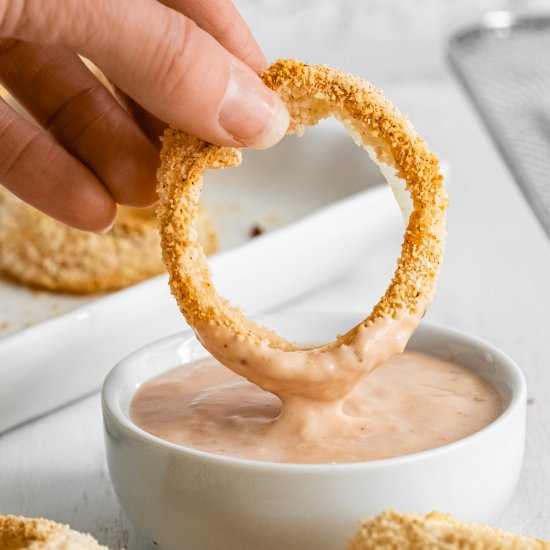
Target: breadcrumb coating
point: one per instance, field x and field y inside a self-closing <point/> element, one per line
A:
<point x="19" y="533"/>
<point x="393" y="531"/>
<point x="38" y="251"/>
<point x="311" y="93"/>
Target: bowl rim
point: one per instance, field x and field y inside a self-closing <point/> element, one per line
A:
<point x="110" y="403"/>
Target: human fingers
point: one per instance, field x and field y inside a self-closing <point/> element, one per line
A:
<point x="65" y="98"/>
<point x="42" y="173"/>
<point x="150" y="125"/>
<point x="161" y="58"/>
<point x="222" y="20"/>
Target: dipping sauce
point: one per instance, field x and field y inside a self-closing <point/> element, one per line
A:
<point x="411" y="403"/>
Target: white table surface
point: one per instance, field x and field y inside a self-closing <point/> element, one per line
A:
<point x="494" y="283"/>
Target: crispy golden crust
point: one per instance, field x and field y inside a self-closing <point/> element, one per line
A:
<point x="393" y="531"/>
<point x="310" y="93"/>
<point x="41" y="252"/>
<point x="18" y="533"/>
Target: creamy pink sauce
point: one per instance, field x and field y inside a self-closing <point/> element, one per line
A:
<point x="326" y="373"/>
<point x="411" y="403"/>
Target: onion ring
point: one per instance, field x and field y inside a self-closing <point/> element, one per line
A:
<point x="435" y="530"/>
<point x="44" y="253"/>
<point x="20" y="532"/>
<point x="311" y="92"/>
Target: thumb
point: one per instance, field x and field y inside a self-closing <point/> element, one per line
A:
<point x="162" y="59"/>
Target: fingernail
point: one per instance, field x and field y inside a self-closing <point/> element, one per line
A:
<point x="107" y="229"/>
<point x="251" y="112"/>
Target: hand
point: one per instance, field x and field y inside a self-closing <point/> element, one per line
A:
<point x="189" y="63"/>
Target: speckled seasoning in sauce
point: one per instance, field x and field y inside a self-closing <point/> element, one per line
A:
<point x="411" y="403"/>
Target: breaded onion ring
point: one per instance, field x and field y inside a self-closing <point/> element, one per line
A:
<point x="19" y="533"/>
<point x="310" y="93"/>
<point x="38" y="251"/>
<point x="416" y="532"/>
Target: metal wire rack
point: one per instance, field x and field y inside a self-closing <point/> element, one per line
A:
<point x="504" y="64"/>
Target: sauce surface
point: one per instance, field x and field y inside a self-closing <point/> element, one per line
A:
<point x="411" y="403"/>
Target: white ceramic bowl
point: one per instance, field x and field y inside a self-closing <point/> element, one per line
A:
<point x="182" y="498"/>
